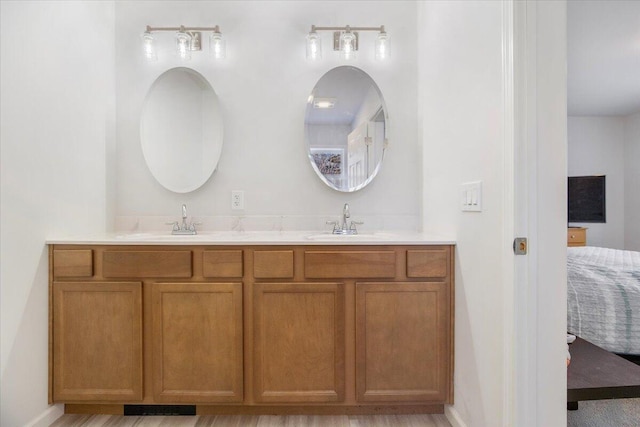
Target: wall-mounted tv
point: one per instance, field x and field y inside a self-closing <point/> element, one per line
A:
<point x="587" y="201"/>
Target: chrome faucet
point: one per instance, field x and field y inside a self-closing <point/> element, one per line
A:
<point x="345" y="215"/>
<point x="185" y="228"/>
<point x="345" y="227"/>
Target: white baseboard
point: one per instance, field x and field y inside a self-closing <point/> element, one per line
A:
<point x="454" y="416"/>
<point x="47" y="418"/>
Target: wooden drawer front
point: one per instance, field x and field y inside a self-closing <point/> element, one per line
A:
<point x="349" y="264"/>
<point x="428" y="263"/>
<point x="73" y="263"/>
<point x="146" y="264"/>
<point x="576" y="236"/>
<point x="273" y="264"/>
<point x="222" y="264"/>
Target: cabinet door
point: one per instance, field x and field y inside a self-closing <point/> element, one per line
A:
<point x="299" y="342"/>
<point x="97" y="341"/>
<point x="402" y="342"/>
<point x="197" y="342"/>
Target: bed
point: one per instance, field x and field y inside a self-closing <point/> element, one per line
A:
<point x="603" y="297"/>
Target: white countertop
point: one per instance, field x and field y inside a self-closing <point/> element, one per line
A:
<point x="255" y="238"/>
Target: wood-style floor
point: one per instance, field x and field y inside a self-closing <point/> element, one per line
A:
<point x="421" y="420"/>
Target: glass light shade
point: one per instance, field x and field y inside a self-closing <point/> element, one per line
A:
<point x="382" y="46"/>
<point x="314" y="46"/>
<point x="148" y="47"/>
<point x="348" y="45"/>
<point x="217" y="46"/>
<point x="182" y="42"/>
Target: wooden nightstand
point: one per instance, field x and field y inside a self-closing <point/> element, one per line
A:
<point x="576" y="236"/>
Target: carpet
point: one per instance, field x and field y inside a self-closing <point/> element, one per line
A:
<point x="606" y="413"/>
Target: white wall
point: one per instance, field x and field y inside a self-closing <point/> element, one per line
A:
<point x="464" y="99"/>
<point x="461" y="107"/>
<point x="263" y="87"/>
<point x="57" y="85"/>
<point x="597" y="147"/>
<point x="632" y="182"/>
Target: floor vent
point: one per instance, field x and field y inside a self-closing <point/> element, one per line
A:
<point x="160" y="410"/>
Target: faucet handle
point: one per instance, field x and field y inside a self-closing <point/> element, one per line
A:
<point x="193" y="224"/>
<point x="334" y="223"/>
<point x="174" y="224"/>
<point x="354" y="223"/>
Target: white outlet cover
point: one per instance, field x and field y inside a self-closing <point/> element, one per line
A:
<point x="237" y="200"/>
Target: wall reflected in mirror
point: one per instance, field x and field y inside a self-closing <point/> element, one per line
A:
<point x="346" y="125"/>
<point x="181" y="130"/>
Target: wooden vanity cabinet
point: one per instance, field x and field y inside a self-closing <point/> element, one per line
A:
<point x="299" y="342"/>
<point x="196" y="342"/>
<point x="402" y="341"/>
<point x="97" y="341"/>
<point x="258" y="328"/>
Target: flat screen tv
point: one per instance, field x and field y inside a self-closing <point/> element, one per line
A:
<point x="587" y="202"/>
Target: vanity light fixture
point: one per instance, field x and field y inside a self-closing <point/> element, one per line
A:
<point x="188" y="39"/>
<point x="148" y="46"/>
<point x="345" y="41"/>
<point x="314" y="45"/>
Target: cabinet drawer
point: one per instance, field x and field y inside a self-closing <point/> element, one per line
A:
<point x="273" y="264"/>
<point x="145" y="264"/>
<point x="576" y="236"/>
<point x="428" y="263"/>
<point x="222" y="264"/>
<point x="73" y="263"/>
<point x="349" y="264"/>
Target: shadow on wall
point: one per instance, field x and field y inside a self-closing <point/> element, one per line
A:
<point x="466" y="370"/>
<point x="25" y="376"/>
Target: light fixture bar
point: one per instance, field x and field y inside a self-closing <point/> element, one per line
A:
<point x="182" y="28"/>
<point x="346" y="41"/>
<point x="188" y="39"/>
<point x="347" y="28"/>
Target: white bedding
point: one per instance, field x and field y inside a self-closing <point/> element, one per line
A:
<point x="603" y="297"/>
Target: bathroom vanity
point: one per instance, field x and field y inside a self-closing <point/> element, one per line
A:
<point x="252" y="324"/>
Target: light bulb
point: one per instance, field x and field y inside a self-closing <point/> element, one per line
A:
<point x="382" y="46"/>
<point x="148" y="47"/>
<point x="182" y="41"/>
<point x="217" y="46"/>
<point x="348" y="45"/>
<point x="314" y="46"/>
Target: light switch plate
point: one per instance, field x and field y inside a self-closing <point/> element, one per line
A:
<point x="471" y="196"/>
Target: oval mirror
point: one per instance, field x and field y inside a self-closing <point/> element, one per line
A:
<point x="346" y="128"/>
<point x="181" y="130"/>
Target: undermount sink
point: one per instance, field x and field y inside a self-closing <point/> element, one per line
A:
<point x="340" y="237"/>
